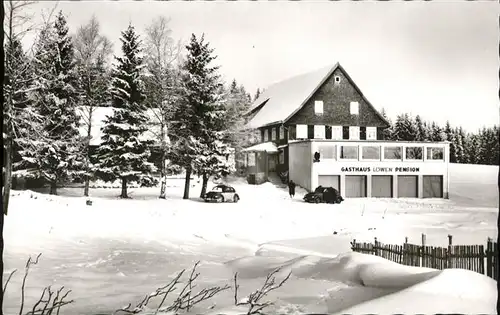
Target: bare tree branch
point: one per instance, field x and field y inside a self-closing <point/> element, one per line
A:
<point x="184" y="301"/>
<point x="255" y="306"/>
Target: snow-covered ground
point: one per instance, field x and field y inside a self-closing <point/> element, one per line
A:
<point x="116" y="251"/>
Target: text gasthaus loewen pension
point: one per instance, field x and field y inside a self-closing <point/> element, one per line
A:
<point x="380" y="169"/>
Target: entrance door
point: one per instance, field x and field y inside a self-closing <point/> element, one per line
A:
<point x="329" y="181"/>
<point x="271" y="158"/>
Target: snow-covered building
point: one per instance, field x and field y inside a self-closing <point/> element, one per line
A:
<point x="324" y="114"/>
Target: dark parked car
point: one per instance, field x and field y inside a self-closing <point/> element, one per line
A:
<point x="324" y="195"/>
<point x="222" y="193"/>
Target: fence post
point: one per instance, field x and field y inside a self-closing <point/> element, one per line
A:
<point x="422" y="252"/>
<point x="489" y="258"/>
<point x="448" y="253"/>
<point x="375" y="247"/>
<point x="405" y="252"/>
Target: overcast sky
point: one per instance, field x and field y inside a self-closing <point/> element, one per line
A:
<point x="436" y="59"/>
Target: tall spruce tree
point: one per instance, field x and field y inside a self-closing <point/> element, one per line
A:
<point x="57" y="149"/>
<point x="124" y="152"/>
<point x="437" y="133"/>
<point x="459" y="145"/>
<point x="421" y="130"/>
<point x="405" y="128"/>
<point x="198" y="121"/>
<point x="257" y="94"/>
<point x="450" y="136"/>
<point x="387" y="133"/>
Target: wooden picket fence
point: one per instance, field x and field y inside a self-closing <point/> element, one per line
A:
<point x="471" y="257"/>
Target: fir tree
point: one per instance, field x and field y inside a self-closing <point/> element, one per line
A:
<point x="437" y="133"/>
<point x="198" y="122"/>
<point x="421" y="134"/>
<point x="450" y="136"/>
<point x="473" y="148"/>
<point x="57" y="149"/>
<point x="387" y="133"/>
<point x="124" y="153"/>
<point x="459" y="145"/>
<point x="405" y="128"/>
<point x="237" y="104"/>
<point x="257" y="95"/>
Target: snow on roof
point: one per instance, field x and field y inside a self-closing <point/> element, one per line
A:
<point x="285" y="97"/>
<point x="262" y="147"/>
<point x="99" y="114"/>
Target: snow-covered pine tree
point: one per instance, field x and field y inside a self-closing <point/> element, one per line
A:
<point x="489" y="145"/>
<point x="387" y="133"/>
<point x="196" y="126"/>
<point x="459" y="145"/>
<point x="472" y="148"/>
<point x="124" y="153"/>
<point x="404" y="128"/>
<point x="437" y="133"/>
<point x="91" y="51"/>
<point x="450" y="136"/>
<point x="421" y="130"/>
<point x="427" y="131"/>
<point x="57" y="149"/>
<point x="257" y="94"/>
<point x="160" y="87"/>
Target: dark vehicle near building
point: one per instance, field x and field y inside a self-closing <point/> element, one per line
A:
<point x="323" y="195"/>
<point x="222" y="193"/>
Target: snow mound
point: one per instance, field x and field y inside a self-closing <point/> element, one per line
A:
<point x="364" y="284"/>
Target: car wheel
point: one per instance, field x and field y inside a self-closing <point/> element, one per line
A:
<point x="236" y="198"/>
<point x="220" y="198"/>
<point x="316" y="200"/>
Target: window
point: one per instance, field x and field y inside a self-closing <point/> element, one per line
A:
<point x="318" y="107"/>
<point x="337" y="79"/>
<point x="370" y="153"/>
<point x="414" y="153"/>
<point x="251" y="159"/>
<point x="282" y="132"/>
<point x="353" y="133"/>
<point x="435" y="153"/>
<point x="337" y="132"/>
<point x="371" y="133"/>
<point x="354" y="108"/>
<point x="266" y="135"/>
<point x="327" y="151"/>
<point x="281" y="157"/>
<point x="392" y="153"/>
<point x="349" y="152"/>
<point x="301" y="132"/>
<point x="273" y="134"/>
<point x="319" y="132"/>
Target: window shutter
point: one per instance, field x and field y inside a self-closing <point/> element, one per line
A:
<point x="362" y="133"/>
<point x="310" y="131"/>
<point x="380" y="133"/>
<point x="328" y="132"/>
<point x="345" y="132"/>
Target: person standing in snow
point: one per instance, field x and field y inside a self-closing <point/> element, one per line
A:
<point x="291" y="188"/>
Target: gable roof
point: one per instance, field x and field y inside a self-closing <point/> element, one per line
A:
<point x="99" y="115"/>
<point x="280" y="101"/>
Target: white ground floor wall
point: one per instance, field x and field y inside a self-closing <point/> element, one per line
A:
<point x="371" y="178"/>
